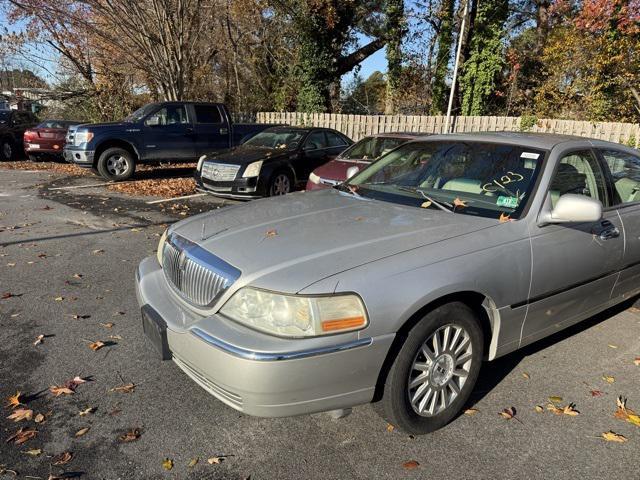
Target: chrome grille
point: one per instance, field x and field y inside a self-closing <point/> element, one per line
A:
<point x="198" y="275"/>
<point x="220" y="172"/>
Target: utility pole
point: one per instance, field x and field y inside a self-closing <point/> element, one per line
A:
<point x="447" y="125"/>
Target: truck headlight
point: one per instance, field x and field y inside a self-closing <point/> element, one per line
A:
<point x="161" y="243"/>
<point x="296" y="315"/>
<point x="252" y="170"/>
<point x="314" y="178"/>
<point x="82" y="136"/>
<point x="200" y="162"/>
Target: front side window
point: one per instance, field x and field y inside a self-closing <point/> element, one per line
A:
<point x="472" y="178"/>
<point x="335" y="140"/>
<point x="169" y="115"/>
<point x="578" y="173"/>
<point x="625" y="173"/>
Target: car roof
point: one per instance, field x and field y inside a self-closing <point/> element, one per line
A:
<point x="409" y="135"/>
<point x="544" y="141"/>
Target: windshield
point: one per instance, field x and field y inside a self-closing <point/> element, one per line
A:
<point x="57" y="124"/>
<point x="140" y="113"/>
<point x="4" y="116"/>
<point x="473" y="178"/>
<point x="371" y="148"/>
<point x="281" y="139"/>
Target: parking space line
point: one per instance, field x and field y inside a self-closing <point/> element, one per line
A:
<point x="73" y="187"/>
<point x="176" y="198"/>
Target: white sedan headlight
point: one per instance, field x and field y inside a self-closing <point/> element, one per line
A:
<point x="296" y="315"/>
<point x="314" y="178"/>
<point x="200" y="162"/>
<point x="163" y="239"/>
<point x="252" y="170"/>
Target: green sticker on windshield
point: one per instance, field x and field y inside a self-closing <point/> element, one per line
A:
<point x="510" y="202"/>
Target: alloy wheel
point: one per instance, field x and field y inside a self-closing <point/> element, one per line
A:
<point x="117" y="165"/>
<point x="281" y="185"/>
<point x="439" y="370"/>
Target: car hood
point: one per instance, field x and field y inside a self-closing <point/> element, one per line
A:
<point x="317" y="234"/>
<point x="337" y="169"/>
<point x="96" y="126"/>
<point x="244" y="155"/>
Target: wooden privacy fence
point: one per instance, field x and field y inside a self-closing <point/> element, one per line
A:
<point x="358" y="126"/>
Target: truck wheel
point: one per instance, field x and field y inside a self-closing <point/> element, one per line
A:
<point x="435" y="370"/>
<point x="116" y="164"/>
<point x="280" y="184"/>
<point x="6" y="149"/>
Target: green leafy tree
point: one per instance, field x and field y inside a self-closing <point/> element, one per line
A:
<point x="442" y="56"/>
<point x="396" y="28"/>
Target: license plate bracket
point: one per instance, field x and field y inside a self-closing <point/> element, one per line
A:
<point x="155" y="329"/>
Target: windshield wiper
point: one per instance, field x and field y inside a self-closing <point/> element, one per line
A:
<point x="441" y="206"/>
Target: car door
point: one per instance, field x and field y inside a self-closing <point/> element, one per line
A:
<point x="624" y="172"/>
<point x="211" y="128"/>
<point x="169" y="135"/>
<point x="314" y="154"/>
<point x="574" y="265"/>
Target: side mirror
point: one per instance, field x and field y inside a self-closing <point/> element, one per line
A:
<point x="351" y="171"/>
<point x="572" y="208"/>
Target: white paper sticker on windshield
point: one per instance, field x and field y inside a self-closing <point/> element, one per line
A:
<point x="532" y="155"/>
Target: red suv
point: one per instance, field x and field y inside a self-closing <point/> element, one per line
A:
<point x="355" y="158"/>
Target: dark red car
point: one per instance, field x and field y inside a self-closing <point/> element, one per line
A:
<point x="357" y="157"/>
<point x="46" y="140"/>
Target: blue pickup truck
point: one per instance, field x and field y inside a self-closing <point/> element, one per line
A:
<point x="157" y="132"/>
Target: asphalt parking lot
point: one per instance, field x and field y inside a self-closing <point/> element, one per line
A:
<point x="67" y="262"/>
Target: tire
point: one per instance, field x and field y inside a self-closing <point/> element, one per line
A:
<point x="6" y="149"/>
<point x="116" y="164"/>
<point x="462" y="353"/>
<point x="33" y="158"/>
<point x="281" y="183"/>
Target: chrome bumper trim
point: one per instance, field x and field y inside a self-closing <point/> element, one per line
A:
<point x="270" y="357"/>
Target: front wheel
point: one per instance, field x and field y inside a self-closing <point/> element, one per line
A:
<point x="280" y="184"/>
<point x="435" y="370"/>
<point x="116" y="164"/>
<point x="6" y="149"/>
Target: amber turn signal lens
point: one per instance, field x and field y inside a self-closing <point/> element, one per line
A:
<point x="343" y="324"/>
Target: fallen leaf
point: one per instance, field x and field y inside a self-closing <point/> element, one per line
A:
<point x="59" y="299"/>
<point x="426" y="204"/>
<point x="612" y="346"/>
<point x="214" y="460"/>
<point x="508" y="413"/>
<point x="87" y="411"/>
<point x="34" y="452"/>
<point x="77" y="275"/>
<point x="471" y="411"/>
<point x="608" y="378"/>
<point x="193" y="462"/>
<point x="97" y="251"/>
<point x="504" y="218"/>
<point x="555" y="399"/>
<point x="97" y="345"/>
<point x="570" y="410"/>
<point x="459" y="203"/>
<point x="596" y="393"/>
<point x="634" y="419"/>
<point x="21" y="436"/>
<point x="390" y="427"/>
<point x="613" y="437"/>
<point x="57" y="391"/>
<point x="410" y="465"/>
<point x="39" y="340"/>
<point x="126" y="388"/>
<point x="14" y="400"/>
<point x="6" y="295"/>
<point x="39" y="418"/>
<point x="63" y="458"/>
<point x="636" y="361"/>
<point x="539" y="408"/>
<point x="167" y="464"/>
<point x="525" y="375"/>
<point x="76" y="316"/>
<point x="82" y="431"/>
<point x="555" y="409"/>
<point x="108" y="325"/>
<point x="20" y="414"/>
<point x="271" y="233"/>
<point x="130" y="436"/>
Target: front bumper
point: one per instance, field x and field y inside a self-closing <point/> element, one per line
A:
<point x="260" y="374"/>
<point x="82" y="158"/>
<point x="240" y="188"/>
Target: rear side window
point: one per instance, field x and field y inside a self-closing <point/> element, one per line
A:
<point x="335" y="140"/>
<point x="625" y="173"/>
<point x="315" y="141"/>
<point x="207" y="114"/>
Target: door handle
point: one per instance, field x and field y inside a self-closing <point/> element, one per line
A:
<point x="609" y="233"/>
<point x="224" y="131"/>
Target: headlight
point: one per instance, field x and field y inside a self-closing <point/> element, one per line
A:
<point x="200" y="162"/>
<point x="314" y="178"/>
<point x="163" y="239"/>
<point x="296" y="315"/>
<point x="82" y="136"/>
<point x="253" y="170"/>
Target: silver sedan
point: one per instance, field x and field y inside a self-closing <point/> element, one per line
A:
<point x="394" y="287"/>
